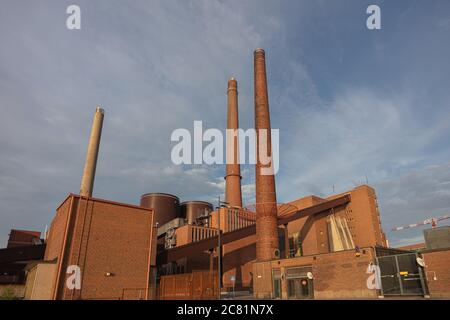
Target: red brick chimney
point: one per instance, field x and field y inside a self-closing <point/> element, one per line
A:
<point x="266" y="199"/>
<point x="233" y="177"/>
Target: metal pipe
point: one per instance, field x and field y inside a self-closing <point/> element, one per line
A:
<point x="219" y="250"/>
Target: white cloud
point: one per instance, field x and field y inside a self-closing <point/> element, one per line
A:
<point x="412" y="198"/>
<point x="158" y="66"/>
<point x="408" y="241"/>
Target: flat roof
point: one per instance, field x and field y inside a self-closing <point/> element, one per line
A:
<point x="104" y="201"/>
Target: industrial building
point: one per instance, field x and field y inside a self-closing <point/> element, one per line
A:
<point x="23" y="247"/>
<point x="310" y="247"/>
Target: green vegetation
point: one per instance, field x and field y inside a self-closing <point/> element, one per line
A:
<point x="8" y="294"/>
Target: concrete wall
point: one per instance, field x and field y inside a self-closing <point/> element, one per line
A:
<point x="30" y="283"/>
<point x="39" y="285"/>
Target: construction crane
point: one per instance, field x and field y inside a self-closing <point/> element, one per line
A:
<point x="432" y="221"/>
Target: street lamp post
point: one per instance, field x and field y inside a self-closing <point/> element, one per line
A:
<point x="221" y="204"/>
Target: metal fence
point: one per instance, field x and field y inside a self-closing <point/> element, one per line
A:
<point x="198" y="285"/>
<point x="401" y="275"/>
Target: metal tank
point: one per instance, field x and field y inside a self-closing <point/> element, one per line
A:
<point x="191" y="210"/>
<point x="166" y="206"/>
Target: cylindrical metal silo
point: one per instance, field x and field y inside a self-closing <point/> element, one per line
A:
<point x="166" y="206"/>
<point x="191" y="210"/>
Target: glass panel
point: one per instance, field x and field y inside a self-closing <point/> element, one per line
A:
<point x="300" y="288"/>
<point x="291" y="289"/>
<point x="277" y="288"/>
<point x="298" y="272"/>
<point x="276" y="273"/>
<point x="305" y="289"/>
<point x="276" y="276"/>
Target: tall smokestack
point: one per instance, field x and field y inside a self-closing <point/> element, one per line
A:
<point x="87" y="182"/>
<point x="233" y="177"/>
<point x="266" y="200"/>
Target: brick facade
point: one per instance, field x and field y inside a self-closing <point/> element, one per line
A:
<point x="338" y="275"/>
<point x="18" y="238"/>
<point x="239" y="256"/>
<point x="113" y="244"/>
<point x="438" y="272"/>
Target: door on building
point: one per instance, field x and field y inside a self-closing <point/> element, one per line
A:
<point x="299" y="286"/>
<point x="276" y="285"/>
<point x="401" y="275"/>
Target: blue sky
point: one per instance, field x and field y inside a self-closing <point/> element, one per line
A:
<point x="349" y="102"/>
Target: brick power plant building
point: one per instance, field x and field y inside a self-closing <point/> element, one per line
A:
<point x="312" y="247"/>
